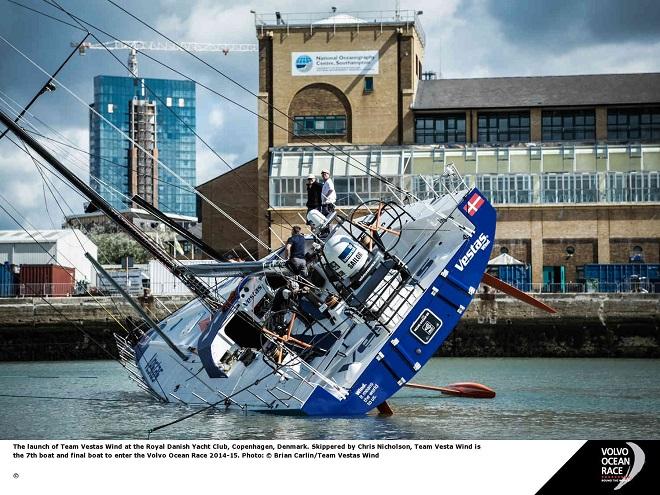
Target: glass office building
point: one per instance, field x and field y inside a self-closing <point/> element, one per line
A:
<point x="175" y="140"/>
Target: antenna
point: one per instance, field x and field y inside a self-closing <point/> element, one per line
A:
<point x="133" y="62"/>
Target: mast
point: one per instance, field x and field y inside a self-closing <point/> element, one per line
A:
<point x="180" y="271"/>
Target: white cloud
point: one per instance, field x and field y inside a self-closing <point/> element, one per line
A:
<point x="216" y="117"/>
<point x="23" y="187"/>
<point x="210" y="166"/>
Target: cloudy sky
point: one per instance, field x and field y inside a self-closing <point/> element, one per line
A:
<point x="465" y="38"/>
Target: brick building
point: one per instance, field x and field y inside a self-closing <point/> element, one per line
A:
<point x="572" y="163"/>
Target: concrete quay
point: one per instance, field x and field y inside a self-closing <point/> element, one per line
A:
<point x="586" y="325"/>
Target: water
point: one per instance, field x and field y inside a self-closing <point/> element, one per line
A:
<point x="536" y="399"/>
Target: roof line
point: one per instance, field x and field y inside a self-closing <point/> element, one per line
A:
<point x="545" y="76"/>
<point x="234" y="169"/>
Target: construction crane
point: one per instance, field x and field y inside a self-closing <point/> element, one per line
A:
<point x="165" y="46"/>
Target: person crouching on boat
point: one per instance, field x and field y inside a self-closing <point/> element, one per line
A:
<point x="295" y="252"/>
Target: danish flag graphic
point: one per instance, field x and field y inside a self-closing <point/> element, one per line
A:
<point x="473" y="204"/>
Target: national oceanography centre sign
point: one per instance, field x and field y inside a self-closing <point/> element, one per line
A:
<point x="334" y="63"/>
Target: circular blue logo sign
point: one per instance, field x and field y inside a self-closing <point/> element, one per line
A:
<point x="304" y="63"/>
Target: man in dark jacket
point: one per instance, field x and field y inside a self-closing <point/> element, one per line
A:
<point x="295" y="252"/>
<point x="313" y="193"/>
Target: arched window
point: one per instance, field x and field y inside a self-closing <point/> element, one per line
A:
<point x="320" y="112"/>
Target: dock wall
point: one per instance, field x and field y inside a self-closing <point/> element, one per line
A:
<point x="587" y="325"/>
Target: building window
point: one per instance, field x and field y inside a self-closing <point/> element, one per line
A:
<point x="503" y="127"/>
<point x="568" y="125"/>
<point x="504" y="250"/>
<point x="569" y="188"/>
<point x="440" y="129"/>
<point x="633" y="186"/>
<point x="320" y="124"/>
<point x="168" y="101"/>
<point x="642" y="124"/>
<point x="368" y="84"/>
<point x="506" y="189"/>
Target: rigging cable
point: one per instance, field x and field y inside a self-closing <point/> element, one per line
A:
<point x="141" y="148"/>
<point x="48" y="86"/>
<point x="173" y="112"/>
<point x="350" y="161"/>
<point x="270" y="104"/>
<point x="78" y="19"/>
<point x="60" y="313"/>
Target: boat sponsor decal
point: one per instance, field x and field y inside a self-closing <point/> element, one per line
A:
<point x="347" y="252"/>
<point x="482" y="242"/>
<point x="337" y="269"/>
<point x="153" y="368"/>
<point x="367" y="392"/>
<point x="473" y="204"/>
<point x="252" y="297"/>
<point x="426" y="326"/>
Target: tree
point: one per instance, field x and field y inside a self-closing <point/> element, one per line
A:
<point x="114" y="247"/>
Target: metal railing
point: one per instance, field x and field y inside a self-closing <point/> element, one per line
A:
<point x="335" y="19"/>
<point x="588" y="288"/>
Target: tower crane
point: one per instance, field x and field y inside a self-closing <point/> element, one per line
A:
<point x="166" y="46"/>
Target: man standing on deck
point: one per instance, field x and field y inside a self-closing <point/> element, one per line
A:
<point x="295" y="252"/>
<point x="328" y="194"/>
<point x="313" y="193"/>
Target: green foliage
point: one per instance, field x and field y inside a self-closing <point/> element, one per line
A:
<point x="114" y="247"/>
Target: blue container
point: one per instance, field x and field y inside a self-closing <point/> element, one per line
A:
<point x="620" y="277"/>
<point x="520" y="276"/>
<point x="8" y="284"/>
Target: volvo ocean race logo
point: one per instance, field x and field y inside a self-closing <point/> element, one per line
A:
<point x="304" y="63"/>
<point x="621" y="464"/>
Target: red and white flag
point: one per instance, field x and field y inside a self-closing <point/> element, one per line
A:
<point x="473" y="204"/>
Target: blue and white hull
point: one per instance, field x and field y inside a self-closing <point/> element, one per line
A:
<point x="353" y="344"/>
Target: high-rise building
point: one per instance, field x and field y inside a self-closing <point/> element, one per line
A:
<point x="158" y="115"/>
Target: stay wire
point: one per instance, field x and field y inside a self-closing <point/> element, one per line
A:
<point x="46" y="87"/>
<point x="119" y="312"/>
<point x="316" y="146"/>
<point x="83" y="167"/>
<point x="60" y="313"/>
<point x="46" y="15"/>
<point x="270" y="104"/>
<point x="39" y="168"/>
<point x="172" y="111"/>
<point x="137" y="145"/>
